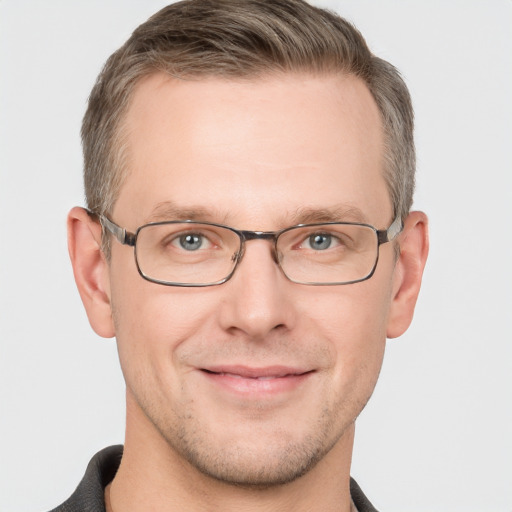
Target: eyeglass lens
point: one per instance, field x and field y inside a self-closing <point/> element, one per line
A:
<point x="201" y="254"/>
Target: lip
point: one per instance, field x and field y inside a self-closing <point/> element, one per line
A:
<point x="256" y="382"/>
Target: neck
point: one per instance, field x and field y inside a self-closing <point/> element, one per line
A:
<point x="152" y="476"/>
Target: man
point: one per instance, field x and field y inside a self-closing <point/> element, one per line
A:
<point x="249" y="169"/>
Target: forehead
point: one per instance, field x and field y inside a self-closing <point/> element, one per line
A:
<point x="252" y="152"/>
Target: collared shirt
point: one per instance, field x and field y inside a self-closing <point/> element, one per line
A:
<point x="89" y="495"/>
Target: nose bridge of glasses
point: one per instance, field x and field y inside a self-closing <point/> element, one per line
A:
<point x="259" y="235"/>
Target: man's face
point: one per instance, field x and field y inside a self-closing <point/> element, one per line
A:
<point x="255" y="380"/>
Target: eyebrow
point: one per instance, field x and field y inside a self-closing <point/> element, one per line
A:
<point x="339" y="213"/>
<point x="169" y="210"/>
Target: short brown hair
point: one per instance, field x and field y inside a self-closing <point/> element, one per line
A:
<point x="241" y="38"/>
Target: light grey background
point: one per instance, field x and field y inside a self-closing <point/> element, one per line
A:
<point x="437" y="436"/>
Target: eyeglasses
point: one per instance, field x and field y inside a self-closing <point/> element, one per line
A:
<point x="189" y="253"/>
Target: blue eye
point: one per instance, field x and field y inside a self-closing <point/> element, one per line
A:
<point x="191" y="241"/>
<point x="320" y="241"/>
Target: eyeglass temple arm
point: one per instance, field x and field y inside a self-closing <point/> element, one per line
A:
<point x="125" y="237"/>
<point x="390" y="234"/>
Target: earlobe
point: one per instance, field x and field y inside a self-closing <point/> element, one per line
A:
<point x="90" y="270"/>
<point x="414" y="246"/>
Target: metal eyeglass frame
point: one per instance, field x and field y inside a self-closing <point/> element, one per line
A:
<point x="128" y="238"/>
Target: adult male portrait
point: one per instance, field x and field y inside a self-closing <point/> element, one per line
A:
<point x="435" y="435"/>
<point x="258" y="162"/>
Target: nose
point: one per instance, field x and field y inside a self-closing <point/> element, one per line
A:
<point x="258" y="298"/>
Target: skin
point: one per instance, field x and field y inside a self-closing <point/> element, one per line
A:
<point x="252" y="155"/>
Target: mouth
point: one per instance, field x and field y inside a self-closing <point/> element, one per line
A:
<point x="257" y="381"/>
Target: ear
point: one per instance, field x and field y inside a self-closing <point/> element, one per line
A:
<point x="91" y="270"/>
<point x="409" y="267"/>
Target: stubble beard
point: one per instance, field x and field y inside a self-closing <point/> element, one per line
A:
<point x="237" y="465"/>
<point x="265" y="458"/>
<point x="274" y="459"/>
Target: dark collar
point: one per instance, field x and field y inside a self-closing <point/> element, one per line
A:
<point x="89" y="495"/>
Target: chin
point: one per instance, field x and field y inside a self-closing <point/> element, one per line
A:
<point x="259" y="458"/>
<point x="255" y="467"/>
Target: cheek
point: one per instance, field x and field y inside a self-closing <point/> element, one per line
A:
<point x="353" y="319"/>
<point x="152" y="321"/>
<point x="350" y="314"/>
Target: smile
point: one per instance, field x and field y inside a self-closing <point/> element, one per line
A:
<point x="257" y="382"/>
